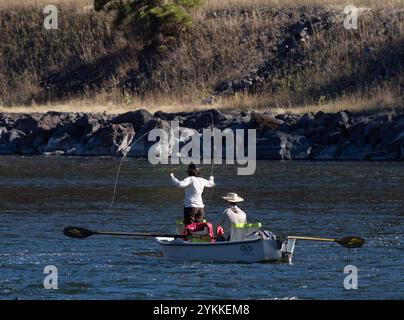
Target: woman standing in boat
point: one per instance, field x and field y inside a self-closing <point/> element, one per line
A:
<point x="194" y="185"/>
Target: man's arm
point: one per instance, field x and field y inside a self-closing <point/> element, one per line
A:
<point x="222" y="218"/>
<point x="180" y="184"/>
<point x="210" y="183"/>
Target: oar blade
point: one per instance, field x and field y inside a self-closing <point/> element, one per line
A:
<point x="77" y="232"/>
<point x="351" y="242"/>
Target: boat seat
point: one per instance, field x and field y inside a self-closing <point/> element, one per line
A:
<point x="239" y="231"/>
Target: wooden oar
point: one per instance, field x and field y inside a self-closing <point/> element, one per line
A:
<point x="80" y="233"/>
<point x="347" y="242"/>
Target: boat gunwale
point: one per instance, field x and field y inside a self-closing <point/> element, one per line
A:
<point x="170" y="243"/>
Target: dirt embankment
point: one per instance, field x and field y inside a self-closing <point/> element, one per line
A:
<point x="253" y="56"/>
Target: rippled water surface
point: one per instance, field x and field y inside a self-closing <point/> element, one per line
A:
<point x="41" y="195"/>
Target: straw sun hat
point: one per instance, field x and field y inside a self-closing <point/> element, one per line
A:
<point x="233" y="197"/>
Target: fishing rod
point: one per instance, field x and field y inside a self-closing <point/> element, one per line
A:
<point x="125" y="152"/>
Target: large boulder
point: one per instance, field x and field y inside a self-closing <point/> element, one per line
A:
<point x="164" y="115"/>
<point x="342" y="119"/>
<point x="4" y="143"/>
<point x="27" y="124"/>
<point x="66" y="138"/>
<point x="8" y="120"/>
<point x="289" y="122"/>
<point x="263" y="122"/>
<point x="304" y="121"/>
<point x="90" y="122"/>
<point x="277" y="145"/>
<point x="203" y="119"/>
<point x="140" y="144"/>
<point x="3" y="132"/>
<point x="49" y="121"/>
<point x="112" y="139"/>
<point x="297" y="148"/>
<point x="321" y="119"/>
<point x="12" y="141"/>
<point x="137" y="118"/>
<point x="334" y="137"/>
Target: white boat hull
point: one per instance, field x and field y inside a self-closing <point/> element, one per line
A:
<point x="254" y="250"/>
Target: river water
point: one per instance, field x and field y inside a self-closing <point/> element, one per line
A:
<point x="39" y="196"/>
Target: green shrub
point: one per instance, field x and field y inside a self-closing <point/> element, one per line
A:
<point x="156" y="21"/>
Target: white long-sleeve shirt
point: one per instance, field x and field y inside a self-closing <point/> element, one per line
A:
<point x="193" y="189"/>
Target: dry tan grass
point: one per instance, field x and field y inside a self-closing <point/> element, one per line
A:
<point x="378" y="100"/>
<point x="225" y="4"/>
<point x="41" y="3"/>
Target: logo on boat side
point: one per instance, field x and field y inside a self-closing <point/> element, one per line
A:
<point x="175" y="144"/>
<point x="246" y="249"/>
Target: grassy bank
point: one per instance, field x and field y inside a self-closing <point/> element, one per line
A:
<point x="86" y="65"/>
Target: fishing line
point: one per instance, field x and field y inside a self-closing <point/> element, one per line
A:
<point x="115" y="185"/>
<point x="212" y="167"/>
<point x="127" y="149"/>
<point x="119" y="170"/>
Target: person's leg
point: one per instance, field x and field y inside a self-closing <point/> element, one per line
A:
<point x="189" y="216"/>
<point x="192" y="215"/>
<point x="199" y="214"/>
<point x="186" y="216"/>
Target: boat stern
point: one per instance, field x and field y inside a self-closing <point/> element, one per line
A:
<point x="287" y="249"/>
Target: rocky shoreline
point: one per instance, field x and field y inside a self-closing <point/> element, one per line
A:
<point x="319" y="136"/>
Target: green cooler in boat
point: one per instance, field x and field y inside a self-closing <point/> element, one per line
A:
<point x="199" y="238"/>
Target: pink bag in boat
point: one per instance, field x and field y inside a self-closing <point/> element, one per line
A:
<point x="200" y="228"/>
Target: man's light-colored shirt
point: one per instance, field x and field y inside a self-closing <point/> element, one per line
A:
<point x="231" y="216"/>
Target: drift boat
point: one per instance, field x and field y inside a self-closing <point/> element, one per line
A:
<point x="249" y="250"/>
<point x="247" y="244"/>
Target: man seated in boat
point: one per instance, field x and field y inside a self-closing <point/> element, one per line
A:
<point x="194" y="185"/>
<point x="232" y="215"/>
